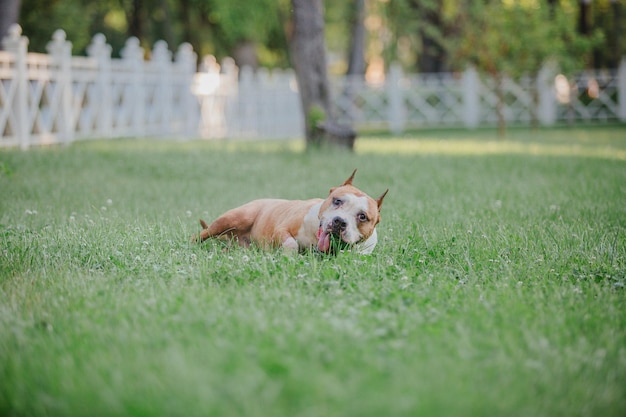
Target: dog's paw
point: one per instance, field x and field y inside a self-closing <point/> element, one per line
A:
<point x="290" y="245"/>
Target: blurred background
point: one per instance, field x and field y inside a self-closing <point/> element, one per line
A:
<point x="360" y="65"/>
<point x="424" y="35"/>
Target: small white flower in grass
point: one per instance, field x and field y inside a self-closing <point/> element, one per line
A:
<point x="188" y="213"/>
<point x="109" y="202"/>
<point x="30" y="212"/>
<point x="72" y="218"/>
<point x="554" y="207"/>
<point x="497" y="204"/>
<point x="103" y="208"/>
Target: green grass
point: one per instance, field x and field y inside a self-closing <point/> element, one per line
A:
<point x="497" y="288"/>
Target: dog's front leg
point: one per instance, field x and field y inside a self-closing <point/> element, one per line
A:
<point x="290" y="244"/>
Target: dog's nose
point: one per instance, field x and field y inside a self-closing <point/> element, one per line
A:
<point x="339" y="224"/>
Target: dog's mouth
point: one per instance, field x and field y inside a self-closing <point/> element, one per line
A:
<point x="329" y="241"/>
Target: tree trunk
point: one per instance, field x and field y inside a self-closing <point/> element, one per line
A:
<point x="168" y="33"/>
<point x="9" y="14"/>
<point x="617" y="35"/>
<point x="432" y="58"/>
<point x="189" y="34"/>
<point x="308" y="53"/>
<point x="584" y="17"/>
<point x="245" y="54"/>
<point x="356" y="61"/>
<point x="356" y="54"/>
<point x="135" y="21"/>
<point x="499" y="77"/>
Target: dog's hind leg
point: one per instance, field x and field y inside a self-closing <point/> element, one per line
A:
<point x="230" y="225"/>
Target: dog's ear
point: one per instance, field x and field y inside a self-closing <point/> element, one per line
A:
<point x="349" y="180"/>
<point x="380" y="199"/>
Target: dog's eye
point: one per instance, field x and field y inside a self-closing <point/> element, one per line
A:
<point x="362" y="217"/>
<point x="337" y="201"/>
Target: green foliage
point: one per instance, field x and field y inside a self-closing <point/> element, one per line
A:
<point x="244" y="21"/>
<point x="411" y="21"/>
<point x="516" y="37"/>
<point x="397" y="29"/>
<point x="40" y="18"/>
<point x="212" y="26"/>
<point x="497" y="287"/>
<point x="256" y="21"/>
<point x="316" y="116"/>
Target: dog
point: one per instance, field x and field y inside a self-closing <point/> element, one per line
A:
<point x="346" y="219"/>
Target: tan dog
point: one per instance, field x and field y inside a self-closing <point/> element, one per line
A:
<point x="346" y="218"/>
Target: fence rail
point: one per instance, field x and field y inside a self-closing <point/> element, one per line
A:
<point x="59" y="98"/>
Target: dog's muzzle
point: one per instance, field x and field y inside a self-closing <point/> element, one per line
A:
<point x="338" y="226"/>
<point x="330" y="238"/>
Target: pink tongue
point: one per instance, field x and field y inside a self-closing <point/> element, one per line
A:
<point x="323" y="244"/>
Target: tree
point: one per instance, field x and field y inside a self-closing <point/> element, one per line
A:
<point x="419" y="29"/>
<point x="308" y="53"/>
<point x="245" y="30"/>
<point x="516" y="38"/>
<point x="40" y="18"/>
<point x="9" y="13"/>
<point x="356" y="51"/>
<point x="215" y="27"/>
<point x="433" y="54"/>
<point x="136" y="19"/>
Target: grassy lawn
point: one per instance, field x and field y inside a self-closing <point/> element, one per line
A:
<point x="497" y="288"/>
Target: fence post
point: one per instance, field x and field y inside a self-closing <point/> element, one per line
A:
<point x="621" y="89"/>
<point x="17" y="44"/>
<point x="101" y="52"/>
<point x="186" y="63"/>
<point x="471" y="98"/>
<point x="396" y="99"/>
<point x="547" y="96"/>
<point x="229" y="91"/>
<point x="247" y="101"/>
<point x="60" y="51"/>
<point x="162" y="58"/>
<point x="132" y="53"/>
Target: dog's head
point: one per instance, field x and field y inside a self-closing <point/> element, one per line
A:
<point x="348" y="216"/>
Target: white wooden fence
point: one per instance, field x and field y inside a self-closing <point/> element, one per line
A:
<point x="404" y="101"/>
<point x="59" y="98"/>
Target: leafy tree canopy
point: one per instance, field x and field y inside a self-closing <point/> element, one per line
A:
<point x="518" y="36"/>
<point x="510" y="35"/>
